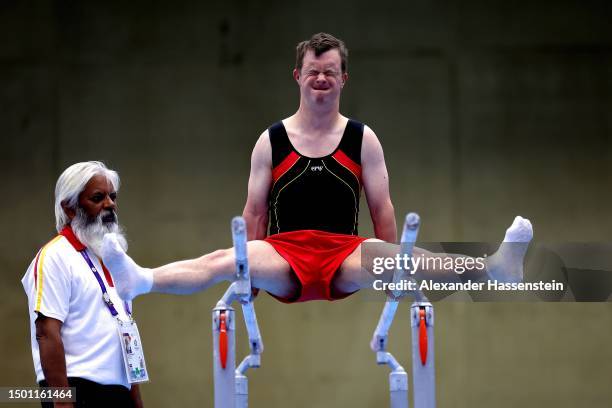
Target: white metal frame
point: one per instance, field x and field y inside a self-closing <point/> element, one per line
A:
<point x="231" y="383"/>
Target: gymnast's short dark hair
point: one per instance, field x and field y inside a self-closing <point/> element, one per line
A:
<point x="319" y="43"/>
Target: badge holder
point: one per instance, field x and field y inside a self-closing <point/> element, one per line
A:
<point x="129" y="337"/>
<point x="133" y="356"/>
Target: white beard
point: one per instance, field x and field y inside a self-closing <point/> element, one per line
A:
<point x="91" y="233"/>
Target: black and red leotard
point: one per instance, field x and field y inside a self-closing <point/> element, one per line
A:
<point x="315" y="193"/>
<point x="314" y="209"/>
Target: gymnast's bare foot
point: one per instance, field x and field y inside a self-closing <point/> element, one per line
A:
<point x="506" y="265"/>
<point x="130" y="279"/>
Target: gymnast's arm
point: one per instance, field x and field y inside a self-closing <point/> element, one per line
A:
<point x="376" y="186"/>
<point x="256" y="209"/>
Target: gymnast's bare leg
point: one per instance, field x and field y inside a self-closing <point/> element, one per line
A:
<point x="270" y="271"/>
<point x="505" y="265"/>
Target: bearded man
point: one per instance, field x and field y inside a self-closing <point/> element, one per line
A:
<point x="74" y="309"/>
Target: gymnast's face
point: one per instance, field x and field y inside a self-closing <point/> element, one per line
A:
<point x="321" y="78"/>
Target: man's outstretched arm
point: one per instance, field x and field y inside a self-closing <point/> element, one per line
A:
<point x="376" y="186"/>
<point x="256" y="208"/>
<point x="52" y="357"/>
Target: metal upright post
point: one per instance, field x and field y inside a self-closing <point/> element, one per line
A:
<point x="398" y="378"/>
<point x="231" y="383"/>
<point x="224" y="355"/>
<point x="423" y="368"/>
<point x="253" y="360"/>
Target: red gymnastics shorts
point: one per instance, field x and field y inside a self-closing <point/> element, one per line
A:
<point x="315" y="257"/>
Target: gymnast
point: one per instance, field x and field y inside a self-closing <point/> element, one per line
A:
<point x="307" y="173"/>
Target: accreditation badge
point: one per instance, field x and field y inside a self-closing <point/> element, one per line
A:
<point x="133" y="356"/>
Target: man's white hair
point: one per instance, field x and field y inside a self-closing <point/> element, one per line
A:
<point x="71" y="184"/>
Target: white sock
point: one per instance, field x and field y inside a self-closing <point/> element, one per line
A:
<point x="520" y="230"/>
<point x="506" y="265"/>
<point x="130" y="279"/>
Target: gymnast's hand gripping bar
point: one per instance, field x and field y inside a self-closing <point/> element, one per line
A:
<point x="422" y="336"/>
<point x="231" y="384"/>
